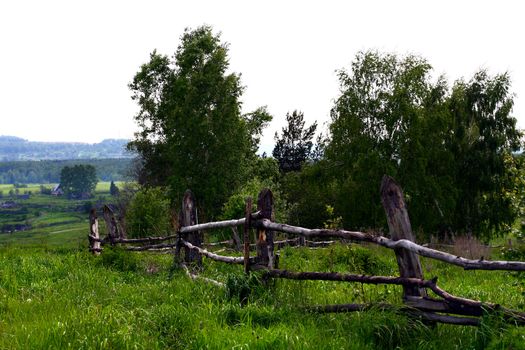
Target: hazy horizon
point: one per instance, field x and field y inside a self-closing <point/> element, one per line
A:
<point x="67" y="65"/>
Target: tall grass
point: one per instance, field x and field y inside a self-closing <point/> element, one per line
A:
<point x="57" y="298"/>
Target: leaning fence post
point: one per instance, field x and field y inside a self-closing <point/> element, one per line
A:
<point x="400" y="228"/>
<point x="189" y="218"/>
<point x="93" y="232"/>
<point x="111" y="224"/>
<point x="265" y="248"/>
<point x="246" y="238"/>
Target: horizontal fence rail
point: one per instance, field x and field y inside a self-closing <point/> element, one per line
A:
<point x="467" y="264"/>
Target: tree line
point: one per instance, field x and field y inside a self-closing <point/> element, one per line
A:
<point x="48" y="171"/>
<point x="15" y="148"/>
<point x="452" y="146"/>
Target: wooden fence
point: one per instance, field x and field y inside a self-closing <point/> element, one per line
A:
<point x="187" y="245"/>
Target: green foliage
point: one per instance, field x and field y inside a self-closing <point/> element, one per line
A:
<point x="68" y="298"/>
<point x="119" y="259"/>
<point x="193" y="135"/>
<point x="240" y="287"/>
<point x="308" y="193"/>
<point x="234" y="207"/>
<point x="48" y="171"/>
<point x="113" y="189"/>
<point x="354" y="259"/>
<point x="148" y="213"/>
<point x="512" y="338"/>
<point x="516" y="253"/>
<point x="450" y="150"/>
<point x="294" y="146"/>
<point x="79" y="180"/>
<point x="333" y="222"/>
<point x="482" y="139"/>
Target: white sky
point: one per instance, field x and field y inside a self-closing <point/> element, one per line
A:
<point x="65" y="65"/>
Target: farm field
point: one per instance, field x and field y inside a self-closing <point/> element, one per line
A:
<point x="55" y="294"/>
<point x="45" y="219"/>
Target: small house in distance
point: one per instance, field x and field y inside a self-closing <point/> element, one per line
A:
<point x="8" y="205"/>
<point x="57" y="191"/>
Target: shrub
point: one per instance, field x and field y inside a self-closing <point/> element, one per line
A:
<point x="148" y="213"/>
<point x="119" y="259"/>
<point x="515" y="253"/>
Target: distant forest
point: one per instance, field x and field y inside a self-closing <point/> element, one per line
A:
<point x="14" y="148"/>
<point x="48" y="171"/>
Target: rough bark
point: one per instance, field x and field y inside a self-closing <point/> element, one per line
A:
<point x="93" y="233"/>
<point x="265" y="246"/>
<point x="213" y="256"/>
<point x="246" y="232"/>
<point x="151" y="247"/>
<point x="189" y="218"/>
<point x="399" y="225"/>
<point x="111" y="225"/>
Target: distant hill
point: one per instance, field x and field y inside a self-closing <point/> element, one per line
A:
<point x="14" y="148"/>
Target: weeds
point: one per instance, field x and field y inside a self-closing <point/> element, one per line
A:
<point x="60" y="298"/>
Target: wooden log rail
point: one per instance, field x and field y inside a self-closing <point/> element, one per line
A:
<point x="213" y="256"/>
<point x="133" y="240"/>
<point x="218" y="224"/>
<point x="449" y="304"/>
<point x="428" y="316"/>
<point x="467" y="264"/>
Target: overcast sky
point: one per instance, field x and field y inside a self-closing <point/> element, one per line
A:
<point x="65" y="65"/>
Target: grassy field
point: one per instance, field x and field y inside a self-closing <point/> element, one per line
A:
<point x="51" y="220"/>
<point x="54" y="294"/>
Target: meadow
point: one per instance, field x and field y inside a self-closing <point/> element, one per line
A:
<point x="54" y="294"/>
<point x="51" y="220"/>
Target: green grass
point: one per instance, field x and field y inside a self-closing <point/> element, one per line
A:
<point x="54" y="294"/>
<point x="55" y="297"/>
<point x="53" y="220"/>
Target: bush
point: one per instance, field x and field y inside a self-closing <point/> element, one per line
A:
<point x="148" y="213"/>
<point x="516" y="253"/>
<point x="355" y="259"/>
<point x="119" y="259"/>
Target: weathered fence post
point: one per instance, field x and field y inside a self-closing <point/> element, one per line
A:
<point x="265" y="248"/>
<point x="400" y="228"/>
<point x="111" y="225"/>
<point x="189" y="218"/>
<point x="93" y="232"/>
<point x="246" y="238"/>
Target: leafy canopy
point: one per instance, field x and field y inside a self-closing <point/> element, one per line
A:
<point x="449" y="148"/>
<point x="78" y="180"/>
<point x="192" y="132"/>
<point x="294" y="146"/>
